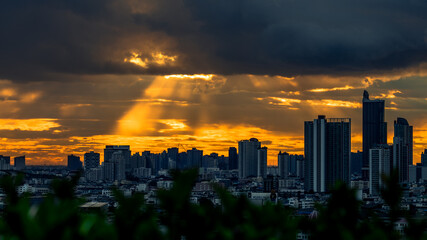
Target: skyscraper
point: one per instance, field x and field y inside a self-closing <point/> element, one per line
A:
<point x="379" y="162"/>
<point x="401" y="158"/>
<point x="300" y="167"/>
<point x="424" y="158"/>
<point x="182" y="160"/>
<point x="374" y="128"/>
<point x="125" y="151"/>
<point x="19" y="162"/>
<point x="91" y="160"/>
<point x="283" y="159"/>
<point x="194" y="157"/>
<point x="119" y="165"/>
<point x="262" y="162"/>
<point x="327" y="145"/>
<point x="74" y="163"/>
<point x="248" y="158"/>
<point x="356" y="163"/>
<point x="405" y="132"/>
<point x="4" y="162"/>
<point x="116" y="162"/>
<point x="233" y="162"/>
<point x="172" y="157"/>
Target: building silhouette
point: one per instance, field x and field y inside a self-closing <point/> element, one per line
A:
<point x="283" y="160"/>
<point x="356" y="161"/>
<point x="327" y="147"/>
<point x="380" y="164"/>
<point x="262" y="162"/>
<point x="374" y="128"/>
<point x="74" y="163"/>
<point x="248" y="158"/>
<point x="125" y="151"/>
<point x="172" y="157"/>
<point x="194" y="158"/>
<point x="4" y="162"/>
<point x="19" y="162"/>
<point x="300" y="166"/>
<point x="116" y="162"/>
<point x="424" y="158"/>
<point x="91" y="160"/>
<point x="401" y="159"/>
<point x="182" y="160"/>
<point x="405" y="132"/>
<point x="233" y="161"/>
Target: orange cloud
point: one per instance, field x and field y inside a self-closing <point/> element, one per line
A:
<point x="36" y="124"/>
<point x="30" y="97"/>
<point x="155" y="58"/>
<point x="7" y="92"/>
<point x="390" y="94"/>
<point x="331" y="89"/>
<point x="334" y="103"/>
<point x="173" y="124"/>
<point x="280" y="101"/>
<point x="194" y="76"/>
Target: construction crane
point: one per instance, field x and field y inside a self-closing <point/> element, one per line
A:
<point x="179" y="144"/>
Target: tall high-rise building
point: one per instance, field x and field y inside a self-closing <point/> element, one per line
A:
<point x="262" y="162"/>
<point x="74" y="163"/>
<point x="163" y="160"/>
<point x="233" y="161"/>
<point x="248" y="158"/>
<point x="19" y="162"/>
<point x="327" y="146"/>
<point x="119" y="165"/>
<point x="172" y="157"/>
<point x="116" y="162"/>
<point x="300" y="167"/>
<point x="194" y="157"/>
<point x="114" y="168"/>
<point x="283" y="160"/>
<point x="4" y="162"/>
<point x="182" y="160"/>
<point x="405" y="132"/>
<point x="424" y="158"/>
<point x="125" y="151"/>
<point x="91" y="160"/>
<point x="401" y="158"/>
<point x="356" y="163"/>
<point x="374" y="128"/>
<point x="380" y="164"/>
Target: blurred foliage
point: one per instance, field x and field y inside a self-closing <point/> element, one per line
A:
<point x="59" y="216"/>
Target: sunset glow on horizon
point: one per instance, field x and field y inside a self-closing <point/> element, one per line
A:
<point x="164" y="114"/>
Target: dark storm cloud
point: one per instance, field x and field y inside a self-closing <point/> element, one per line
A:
<point x="224" y="37"/>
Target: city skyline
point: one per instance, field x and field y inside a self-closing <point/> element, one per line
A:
<point x="156" y="74"/>
<point x="271" y="155"/>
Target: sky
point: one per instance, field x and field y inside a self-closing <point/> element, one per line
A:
<point x="78" y="75"/>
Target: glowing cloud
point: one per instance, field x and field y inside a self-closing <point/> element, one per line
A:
<point x="160" y="101"/>
<point x="72" y="109"/>
<point x="37" y="124"/>
<point x="206" y="77"/>
<point x="331" y="89"/>
<point x="334" y="103"/>
<point x="155" y="58"/>
<point x="135" y="59"/>
<point x="390" y="94"/>
<point x="174" y="124"/>
<point x="162" y="59"/>
<point x="7" y="92"/>
<point x="281" y="101"/>
<point x="30" y="97"/>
